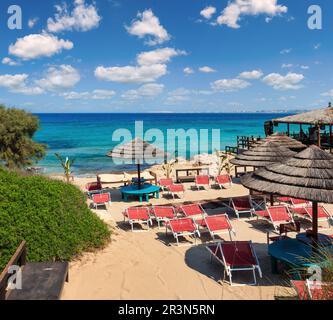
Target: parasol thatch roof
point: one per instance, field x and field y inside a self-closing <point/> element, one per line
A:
<point x="283" y="140"/>
<point x="262" y="154"/>
<point x="315" y="117"/>
<point x="138" y="151"/>
<point x="307" y="175"/>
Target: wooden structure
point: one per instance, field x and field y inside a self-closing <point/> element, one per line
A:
<point x="318" y="120"/>
<point x="188" y="176"/>
<point x="40" y="280"/>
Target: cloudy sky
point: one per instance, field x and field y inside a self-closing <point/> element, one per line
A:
<point x="166" y="56"/>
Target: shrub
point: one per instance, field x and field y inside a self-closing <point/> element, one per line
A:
<point x="50" y="215"/>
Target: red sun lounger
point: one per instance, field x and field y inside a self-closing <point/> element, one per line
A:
<point x="193" y="210"/>
<point x="323" y="214"/>
<point x="217" y="225"/>
<point x="165" y="183"/>
<point x="242" y="205"/>
<point x="163" y="214"/>
<point x="182" y="227"/>
<point x="137" y="215"/>
<point x="276" y="215"/>
<point x="236" y="256"/>
<point x="311" y="290"/>
<point x="299" y="202"/>
<point x="202" y="181"/>
<point x="224" y="181"/>
<point x="101" y="199"/>
<point x="176" y="189"/>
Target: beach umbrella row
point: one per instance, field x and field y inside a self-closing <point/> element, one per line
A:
<point x="307" y="175"/>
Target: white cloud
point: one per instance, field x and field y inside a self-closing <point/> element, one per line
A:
<point x="291" y="81"/>
<point x="158" y="56"/>
<point x="231" y="15"/>
<point x="148" y="90"/>
<point x="206" y="69"/>
<point x="32" y="22"/>
<point x="149" y="25"/>
<point x="38" y="45"/>
<point x="304" y="67"/>
<point x="317" y="46"/>
<point x="208" y="12"/>
<point x="83" y="18"/>
<point x="188" y="70"/>
<point x="287" y="65"/>
<point x="286" y="51"/>
<point x="229" y="84"/>
<point x="97" y="94"/>
<point x="9" y="62"/>
<point x="328" y="93"/>
<point x="131" y="74"/>
<point x="58" y="78"/>
<point x="251" y="75"/>
<point x="17" y="83"/>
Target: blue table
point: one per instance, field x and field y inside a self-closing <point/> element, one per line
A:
<point x="294" y="253"/>
<point x="142" y="193"/>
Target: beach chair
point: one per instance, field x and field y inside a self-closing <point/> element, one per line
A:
<point x="101" y="199"/>
<point x="216" y="225"/>
<point x="92" y="188"/>
<point x="236" y="256"/>
<point x="242" y="205"/>
<point x="311" y="290"/>
<point x="299" y="202"/>
<point x="276" y="216"/>
<point x="139" y="215"/>
<point x="165" y="183"/>
<point x="307" y="212"/>
<point x="163" y="214"/>
<point x="182" y="227"/>
<point x="194" y="210"/>
<point x="176" y="189"/>
<point x="224" y="181"/>
<point x="202" y="181"/>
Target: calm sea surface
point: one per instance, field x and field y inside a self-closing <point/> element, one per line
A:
<point x="88" y="137"/>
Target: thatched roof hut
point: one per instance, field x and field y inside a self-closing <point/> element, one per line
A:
<point x="308" y="175"/>
<point x="283" y="140"/>
<point x="316" y="117"/>
<point x="262" y="154"/>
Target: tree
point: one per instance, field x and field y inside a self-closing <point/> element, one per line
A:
<point x="66" y="164"/>
<point x="17" y="128"/>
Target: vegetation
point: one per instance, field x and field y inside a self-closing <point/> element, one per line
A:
<point x="50" y="215"/>
<point x="17" y="149"/>
<point x="168" y="168"/>
<point x="66" y="164"/>
<point x="224" y="163"/>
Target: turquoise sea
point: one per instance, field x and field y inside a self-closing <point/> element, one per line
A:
<point x="88" y="137"/>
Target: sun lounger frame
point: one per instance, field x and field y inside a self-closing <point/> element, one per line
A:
<point x="222" y="185"/>
<point x="238" y="212"/>
<point x="219" y="232"/>
<point x="160" y="219"/>
<point x="138" y="221"/>
<point x="184" y="233"/>
<point x="229" y="269"/>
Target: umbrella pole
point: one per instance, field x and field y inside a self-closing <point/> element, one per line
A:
<point x="139" y="175"/>
<point x="315" y="221"/>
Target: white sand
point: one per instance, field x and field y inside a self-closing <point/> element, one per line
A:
<point x="143" y="265"/>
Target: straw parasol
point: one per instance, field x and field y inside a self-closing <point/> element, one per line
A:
<point x="308" y="175"/>
<point x="137" y="152"/>
<point x="283" y="140"/>
<point x="262" y="154"/>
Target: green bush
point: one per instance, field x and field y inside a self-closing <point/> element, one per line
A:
<point x="50" y="215"/>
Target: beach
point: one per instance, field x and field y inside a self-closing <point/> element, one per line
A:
<point x="148" y="265"/>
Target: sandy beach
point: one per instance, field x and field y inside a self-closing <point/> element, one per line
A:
<point x="148" y="265"/>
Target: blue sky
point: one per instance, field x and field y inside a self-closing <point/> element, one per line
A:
<point x="166" y="56"/>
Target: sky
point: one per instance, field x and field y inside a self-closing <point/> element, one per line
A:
<point x="166" y="56"/>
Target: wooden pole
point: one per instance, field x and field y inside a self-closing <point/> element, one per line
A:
<point x="272" y="199"/>
<point x="139" y="175"/>
<point x="331" y="138"/>
<point x="288" y="129"/>
<point x="315" y="221"/>
<point x="318" y="136"/>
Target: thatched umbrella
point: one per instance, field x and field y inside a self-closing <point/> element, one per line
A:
<point x="262" y="154"/>
<point x="137" y="152"/>
<point x="308" y="175"/>
<point x="283" y="140"/>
